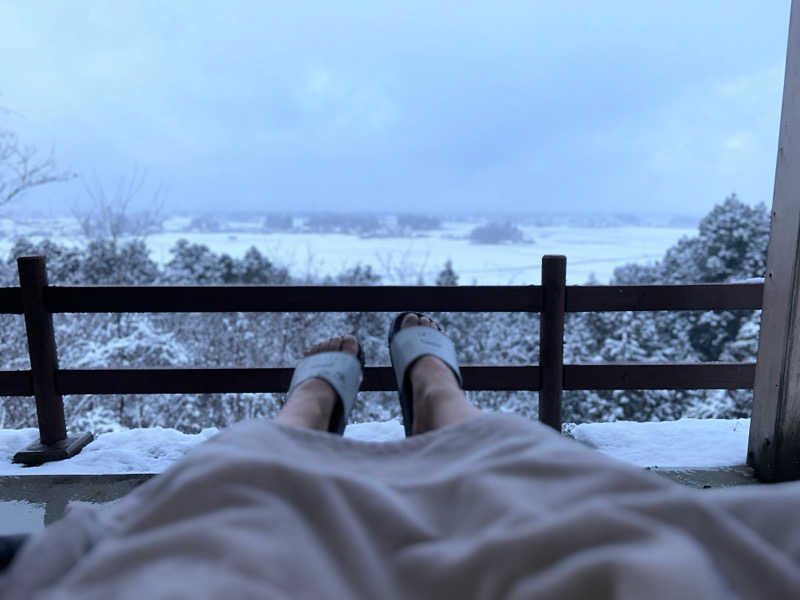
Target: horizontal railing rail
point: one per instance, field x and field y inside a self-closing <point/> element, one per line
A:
<point x="38" y="301"/>
<point x="479" y="298"/>
<point x="582" y="376"/>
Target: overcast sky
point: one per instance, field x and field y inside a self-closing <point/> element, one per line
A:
<point x="587" y="106"/>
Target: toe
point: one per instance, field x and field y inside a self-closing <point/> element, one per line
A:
<point x="429" y="323"/>
<point x="318" y="347"/>
<point x="410" y="320"/>
<point x="328" y="345"/>
<point x="349" y="344"/>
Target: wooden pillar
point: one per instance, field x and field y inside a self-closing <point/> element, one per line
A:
<point x="774" y="445"/>
<point x="551" y="339"/>
<point x="54" y="444"/>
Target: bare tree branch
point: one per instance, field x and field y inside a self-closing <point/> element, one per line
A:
<point x="111" y="216"/>
<point x="21" y="168"/>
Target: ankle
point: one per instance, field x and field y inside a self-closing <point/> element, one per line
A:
<point x="439" y="407"/>
<point x="430" y="376"/>
<point x="425" y="408"/>
<point x="311" y="404"/>
<point x="436" y="394"/>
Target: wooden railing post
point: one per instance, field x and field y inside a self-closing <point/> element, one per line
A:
<point x="551" y="339"/>
<point x="42" y="349"/>
<point x="54" y="444"/>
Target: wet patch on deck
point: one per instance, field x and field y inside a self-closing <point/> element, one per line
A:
<point x="31" y="502"/>
<point x="719" y="477"/>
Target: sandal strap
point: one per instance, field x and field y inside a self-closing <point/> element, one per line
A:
<point x="341" y="370"/>
<point x="412" y="343"/>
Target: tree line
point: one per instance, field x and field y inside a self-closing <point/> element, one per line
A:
<point x="730" y="245"/>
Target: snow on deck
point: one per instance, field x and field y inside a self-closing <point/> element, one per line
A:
<point x="695" y="443"/>
<point x="691" y="443"/>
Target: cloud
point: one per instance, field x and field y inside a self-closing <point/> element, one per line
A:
<point x="370" y="105"/>
<point x="738" y="141"/>
<point x="320" y="82"/>
<point x="752" y="87"/>
<point x="340" y="114"/>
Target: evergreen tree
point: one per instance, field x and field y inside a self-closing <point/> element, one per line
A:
<point x="63" y="262"/>
<point x="193" y="264"/>
<point x="447" y="276"/>
<point x="108" y="262"/>
<point x="257" y="269"/>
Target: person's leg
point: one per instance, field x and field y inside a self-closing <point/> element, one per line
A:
<point x="438" y="399"/>
<point x="312" y="402"/>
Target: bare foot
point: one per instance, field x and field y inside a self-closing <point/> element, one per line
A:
<point x="438" y="399"/>
<point x="311" y="403"/>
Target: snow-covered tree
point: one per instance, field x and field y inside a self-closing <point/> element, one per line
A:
<point x="257" y="269"/>
<point x="192" y="264"/>
<point x="447" y="276"/>
<point x="109" y="262"/>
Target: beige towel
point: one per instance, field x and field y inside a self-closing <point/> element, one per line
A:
<point x="495" y="507"/>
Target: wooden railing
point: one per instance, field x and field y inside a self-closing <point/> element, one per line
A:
<point x="38" y="301"/>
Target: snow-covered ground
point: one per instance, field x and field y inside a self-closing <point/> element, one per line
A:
<point x="690" y="443"/>
<point x="589" y="250"/>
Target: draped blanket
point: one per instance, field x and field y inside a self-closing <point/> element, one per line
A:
<point x="494" y="507"/>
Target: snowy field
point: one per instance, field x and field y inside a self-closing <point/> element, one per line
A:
<point x="687" y="443"/>
<point x="589" y="250"/>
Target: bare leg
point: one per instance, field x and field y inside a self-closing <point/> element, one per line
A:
<point x="312" y="402"/>
<point x="438" y="400"/>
